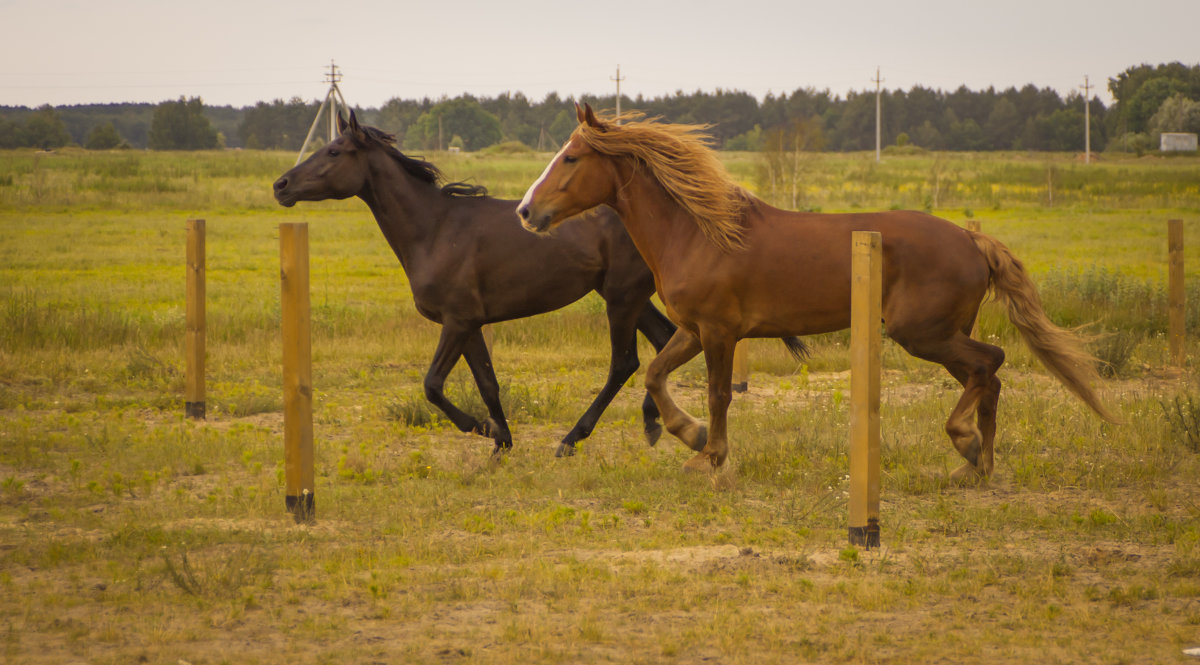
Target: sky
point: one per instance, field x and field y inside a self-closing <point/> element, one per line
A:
<point x="240" y="52"/>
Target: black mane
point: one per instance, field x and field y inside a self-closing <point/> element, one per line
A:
<point x="421" y="169"/>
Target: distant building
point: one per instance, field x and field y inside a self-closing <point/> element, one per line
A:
<point x="1177" y="142"/>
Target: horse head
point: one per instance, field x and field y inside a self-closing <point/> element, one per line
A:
<point x="577" y="179"/>
<point x="336" y="171"/>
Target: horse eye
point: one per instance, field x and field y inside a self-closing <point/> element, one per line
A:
<point x="333" y="152"/>
<point x="568" y="159"/>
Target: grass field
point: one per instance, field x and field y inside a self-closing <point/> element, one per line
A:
<point x="129" y="534"/>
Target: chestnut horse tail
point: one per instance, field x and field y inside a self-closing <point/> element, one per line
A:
<point x="1060" y="351"/>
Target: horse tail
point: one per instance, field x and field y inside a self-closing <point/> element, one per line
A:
<point x="1060" y="351"/>
<point x="797" y="348"/>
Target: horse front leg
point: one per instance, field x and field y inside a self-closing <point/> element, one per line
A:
<point x="682" y="347"/>
<point x="718" y="357"/>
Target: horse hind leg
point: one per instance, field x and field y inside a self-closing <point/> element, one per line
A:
<point x="454" y="342"/>
<point x="479" y="360"/>
<point x="986" y="421"/>
<point x="981" y="395"/>
<point x="971" y="425"/>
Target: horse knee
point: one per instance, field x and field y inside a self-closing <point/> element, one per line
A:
<point x="625" y="365"/>
<point x="654" y="380"/>
<point x="433" y="388"/>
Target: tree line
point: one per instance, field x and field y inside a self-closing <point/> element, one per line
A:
<point x="1148" y="99"/>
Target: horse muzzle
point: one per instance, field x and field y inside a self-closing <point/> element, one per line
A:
<point x="533" y="220"/>
<point x="285" y="198"/>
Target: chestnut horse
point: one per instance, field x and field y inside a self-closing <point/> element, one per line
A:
<point x="729" y="266"/>
<point x="457" y="247"/>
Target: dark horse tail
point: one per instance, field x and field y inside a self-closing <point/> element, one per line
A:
<point x="797" y="348"/>
<point x="1060" y="350"/>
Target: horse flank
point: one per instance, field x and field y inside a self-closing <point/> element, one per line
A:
<point x="680" y="159"/>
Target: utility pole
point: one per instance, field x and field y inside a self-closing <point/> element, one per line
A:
<point x="878" y="124"/>
<point x="332" y="78"/>
<point x="332" y="98"/>
<point x="1087" y="120"/>
<point x="618" y="79"/>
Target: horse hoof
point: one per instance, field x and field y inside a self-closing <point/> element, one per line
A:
<point x="967" y="475"/>
<point x="565" y="450"/>
<point x="701" y="463"/>
<point x="653" y="433"/>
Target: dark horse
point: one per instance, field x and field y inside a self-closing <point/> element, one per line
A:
<point x="729" y="266"/>
<point x="457" y="246"/>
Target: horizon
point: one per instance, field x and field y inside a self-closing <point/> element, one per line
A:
<point x="237" y="54"/>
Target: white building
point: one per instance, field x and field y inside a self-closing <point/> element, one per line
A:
<point x="1177" y="142"/>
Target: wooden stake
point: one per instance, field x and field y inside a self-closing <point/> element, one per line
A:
<point x="297" y="372"/>
<point x="194" y="343"/>
<point x="1176" y="294"/>
<point x="865" y="344"/>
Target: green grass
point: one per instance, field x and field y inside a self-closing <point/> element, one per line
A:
<point x="128" y="533"/>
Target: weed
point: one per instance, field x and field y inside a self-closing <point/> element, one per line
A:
<point x="219" y="575"/>
<point x="1183" y="418"/>
<point x="1114" y="349"/>
<point x="411" y="411"/>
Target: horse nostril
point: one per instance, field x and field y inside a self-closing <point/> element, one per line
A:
<point x="281" y="184"/>
<point x="524" y="213"/>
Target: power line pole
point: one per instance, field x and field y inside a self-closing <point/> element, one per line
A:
<point x="618" y="79"/>
<point x="878" y="123"/>
<point x="332" y="98"/>
<point x="332" y="78"/>
<point x="1087" y="120"/>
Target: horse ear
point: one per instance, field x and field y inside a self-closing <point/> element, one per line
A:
<point x="588" y="116"/>
<point x="354" y="123"/>
<point x="342" y="124"/>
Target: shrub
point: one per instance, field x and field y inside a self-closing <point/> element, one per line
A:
<point x="1183" y="418"/>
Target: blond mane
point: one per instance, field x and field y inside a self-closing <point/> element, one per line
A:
<point x="679" y="157"/>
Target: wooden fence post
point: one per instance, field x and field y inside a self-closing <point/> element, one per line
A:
<point x="194" y="343"/>
<point x="1176" y="294"/>
<point x="297" y="371"/>
<point x="865" y="345"/>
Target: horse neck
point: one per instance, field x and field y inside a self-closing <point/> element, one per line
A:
<point x="657" y="224"/>
<point x="405" y="208"/>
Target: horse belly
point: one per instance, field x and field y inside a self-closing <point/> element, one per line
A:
<point x="797" y="293"/>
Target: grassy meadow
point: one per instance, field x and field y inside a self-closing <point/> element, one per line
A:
<point x="130" y="534"/>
